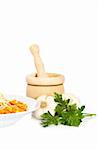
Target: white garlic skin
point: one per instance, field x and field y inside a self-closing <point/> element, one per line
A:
<point x="72" y="97"/>
<point x="50" y="106"/>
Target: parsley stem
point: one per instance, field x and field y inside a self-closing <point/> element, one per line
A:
<point x="88" y="115"/>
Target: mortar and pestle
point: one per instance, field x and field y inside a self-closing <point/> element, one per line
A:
<point x="42" y="83"/>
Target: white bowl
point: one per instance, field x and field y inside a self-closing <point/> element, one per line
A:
<point x="9" y="119"/>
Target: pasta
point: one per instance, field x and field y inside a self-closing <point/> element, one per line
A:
<point x="11" y="106"/>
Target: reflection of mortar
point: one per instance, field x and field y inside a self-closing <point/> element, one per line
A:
<point x="43" y="83"/>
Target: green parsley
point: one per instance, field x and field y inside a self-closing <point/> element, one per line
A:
<point x="65" y="113"/>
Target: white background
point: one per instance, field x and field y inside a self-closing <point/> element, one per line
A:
<point x="66" y="31"/>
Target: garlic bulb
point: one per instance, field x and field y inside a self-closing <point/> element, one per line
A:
<point x="46" y="103"/>
<point x="73" y="98"/>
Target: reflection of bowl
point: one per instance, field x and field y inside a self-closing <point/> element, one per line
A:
<point x="37" y="86"/>
<point x="8" y="119"/>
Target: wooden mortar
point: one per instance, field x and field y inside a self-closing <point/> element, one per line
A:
<point x="42" y="83"/>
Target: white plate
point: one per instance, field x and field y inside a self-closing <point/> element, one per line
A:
<point x="9" y="119"/>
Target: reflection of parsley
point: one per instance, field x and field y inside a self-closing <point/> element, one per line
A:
<point x="65" y="113"/>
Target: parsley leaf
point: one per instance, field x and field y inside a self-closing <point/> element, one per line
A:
<point x="65" y="113"/>
<point x="48" y="119"/>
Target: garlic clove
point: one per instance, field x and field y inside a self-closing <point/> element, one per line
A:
<point x="46" y="103"/>
<point x="41" y="98"/>
<point x="73" y="98"/>
<point x="37" y="114"/>
<point x="51" y="104"/>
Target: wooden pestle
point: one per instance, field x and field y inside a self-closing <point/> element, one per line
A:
<point x="38" y="61"/>
<point x="43" y="83"/>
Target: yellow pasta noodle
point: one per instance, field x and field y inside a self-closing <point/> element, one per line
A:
<point x="12" y="106"/>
